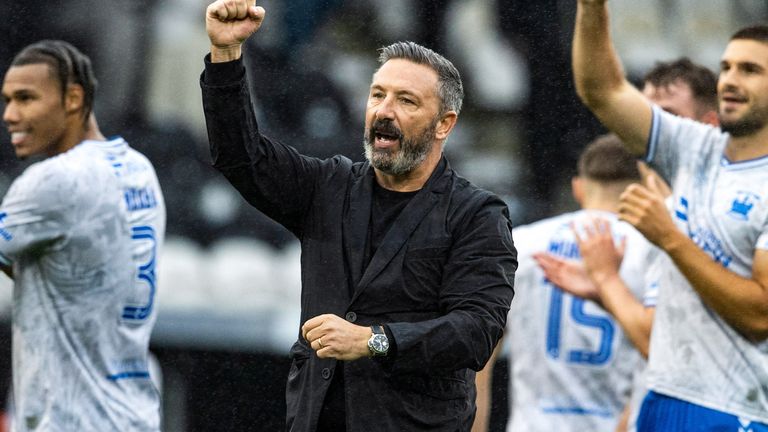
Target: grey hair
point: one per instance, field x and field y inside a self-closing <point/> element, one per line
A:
<point x="449" y="87"/>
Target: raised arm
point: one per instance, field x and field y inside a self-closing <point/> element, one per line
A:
<point x="600" y="80"/>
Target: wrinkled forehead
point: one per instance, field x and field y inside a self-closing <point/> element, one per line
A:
<point x="406" y="75"/>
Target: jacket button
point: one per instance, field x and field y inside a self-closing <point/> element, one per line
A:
<point x="351" y="316"/>
<point x="326" y="373"/>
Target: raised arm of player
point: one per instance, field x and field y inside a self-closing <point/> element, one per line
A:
<point x="600" y="81"/>
<point x="741" y="302"/>
<point x="229" y="23"/>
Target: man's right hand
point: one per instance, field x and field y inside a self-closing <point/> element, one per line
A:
<point x="229" y="23"/>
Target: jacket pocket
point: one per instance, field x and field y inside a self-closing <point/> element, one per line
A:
<point x="434" y="249"/>
<point x="299" y="354"/>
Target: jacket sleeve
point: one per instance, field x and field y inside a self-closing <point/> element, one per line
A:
<point x="475" y="296"/>
<point x="271" y="176"/>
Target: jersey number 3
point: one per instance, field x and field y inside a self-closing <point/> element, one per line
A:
<point x="146" y="273"/>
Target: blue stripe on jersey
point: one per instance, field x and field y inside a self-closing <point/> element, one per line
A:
<point x="745" y="164"/>
<point x="682" y="211"/>
<point x="128" y="375"/>
<point x="575" y="410"/>
<point x="661" y="413"/>
<point x="4" y="234"/>
<point x="653" y="135"/>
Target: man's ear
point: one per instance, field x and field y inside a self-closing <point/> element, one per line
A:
<point x="73" y="98"/>
<point x="577" y="189"/>
<point x="445" y="125"/>
<point x="710" y="118"/>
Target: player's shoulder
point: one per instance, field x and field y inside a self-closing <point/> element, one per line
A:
<point x="64" y="180"/>
<point x="696" y="135"/>
<point x="662" y="116"/>
<point x="538" y="236"/>
<point x="545" y="227"/>
<point x="633" y="236"/>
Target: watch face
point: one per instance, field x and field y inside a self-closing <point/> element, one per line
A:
<point x="379" y="344"/>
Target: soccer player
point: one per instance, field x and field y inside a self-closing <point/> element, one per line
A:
<point x="80" y="233"/>
<point x="571" y="365"/>
<point x="679" y="87"/>
<point x="708" y="361"/>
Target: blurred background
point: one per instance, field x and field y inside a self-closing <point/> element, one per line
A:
<point x="229" y="277"/>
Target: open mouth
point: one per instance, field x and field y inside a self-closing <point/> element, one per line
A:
<point x="386" y="137"/>
<point x="385" y="134"/>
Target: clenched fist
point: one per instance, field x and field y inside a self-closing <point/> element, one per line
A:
<point x="229" y="23"/>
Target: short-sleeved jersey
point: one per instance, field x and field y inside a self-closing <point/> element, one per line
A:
<point x="723" y="207"/>
<point x="82" y="231"/>
<point x="571" y="365"/>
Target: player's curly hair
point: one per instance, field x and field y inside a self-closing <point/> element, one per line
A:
<point x="68" y="65"/>
<point x="701" y="80"/>
<point x="606" y="160"/>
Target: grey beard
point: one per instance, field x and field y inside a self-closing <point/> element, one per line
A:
<point x="412" y="153"/>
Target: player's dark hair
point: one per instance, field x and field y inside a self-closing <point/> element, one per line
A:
<point x="68" y="65"/>
<point x="606" y="160"/>
<point x="758" y="32"/>
<point x="701" y="80"/>
<point x="449" y="87"/>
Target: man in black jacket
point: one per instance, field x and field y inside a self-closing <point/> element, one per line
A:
<point x="407" y="268"/>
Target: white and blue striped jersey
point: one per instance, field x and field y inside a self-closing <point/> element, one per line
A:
<point x="571" y="366"/>
<point x="82" y="231"/>
<point x="723" y="207"/>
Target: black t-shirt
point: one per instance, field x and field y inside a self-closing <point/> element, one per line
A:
<point x="386" y="206"/>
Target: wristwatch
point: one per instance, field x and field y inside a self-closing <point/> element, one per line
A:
<point x="378" y="344"/>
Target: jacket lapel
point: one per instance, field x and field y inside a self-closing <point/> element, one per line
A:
<point x="405" y="224"/>
<point x="355" y="223"/>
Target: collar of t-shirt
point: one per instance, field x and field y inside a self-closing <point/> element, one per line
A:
<point x="386" y="206"/>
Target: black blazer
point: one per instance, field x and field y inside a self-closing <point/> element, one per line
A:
<point x="442" y="279"/>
